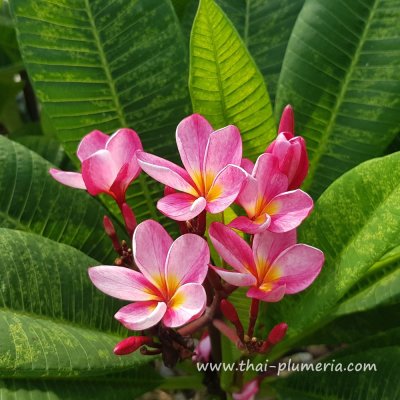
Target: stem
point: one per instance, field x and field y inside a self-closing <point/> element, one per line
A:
<point x="204" y="320"/>
<point x="255" y="305"/>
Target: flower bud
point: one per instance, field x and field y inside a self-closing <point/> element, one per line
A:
<point x="286" y="123"/>
<point x="110" y="231"/>
<point x="129" y="218"/>
<point x="249" y="391"/>
<point x="277" y="333"/>
<point x="130" y="344"/>
<point x="202" y="352"/>
<point x="231" y="315"/>
<point x="292" y="156"/>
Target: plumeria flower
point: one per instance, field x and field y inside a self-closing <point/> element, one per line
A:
<point x="168" y="286"/>
<point x="267" y="202"/>
<point x="202" y="352"/>
<point x="212" y="177"/>
<point x="290" y="150"/>
<point x="249" y="390"/>
<point x="275" y="266"/>
<point x="109" y="164"/>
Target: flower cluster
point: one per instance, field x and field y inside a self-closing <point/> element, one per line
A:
<point x="175" y="291"/>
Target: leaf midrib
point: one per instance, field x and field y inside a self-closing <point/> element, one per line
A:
<point x="116" y="101"/>
<point x="324" y="139"/>
<point x="214" y="47"/>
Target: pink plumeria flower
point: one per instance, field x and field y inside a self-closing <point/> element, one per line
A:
<point x="202" y="352"/>
<point x="267" y="202"/>
<point x="109" y="164"/>
<point x="168" y="287"/>
<point x="212" y="177"/>
<point x="249" y="391"/>
<point x="275" y="266"/>
<point x="290" y="150"/>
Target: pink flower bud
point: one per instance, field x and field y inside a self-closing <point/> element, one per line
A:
<point x="110" y="231"/>
<point x="129" y="218"/>
<point x="249" y="391"/>
<point x="290" y="151"/>
<point x="202" y="352"/>
<point x="108" y="226"/>
<point x="277" y="333"/>
<point x="130" y="344"/>
<point x="231" y="315"/>
<point x="286" y="123"/>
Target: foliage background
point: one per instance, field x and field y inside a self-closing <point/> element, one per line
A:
<point x="71" y="66"/>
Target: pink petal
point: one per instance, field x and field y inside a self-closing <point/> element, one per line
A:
<point x="187" y="261"/>
<point x="72" y="179"/>
<point x="247" y="165"/>
<point x="293" y="160"/>
<point x="289" y="210"/>
<point x="299" y="265"/>
<point x="181" y="206"/>
<point x="235" y="278"/>
<point x="249" y="391"/>
<point x="271" y="181"/>
<point x="99" y="172"/>
<point x="224" y="147"/>
<point x="249" y="226"/>
<point x="225" y="188"/>
<point x="123" y="145"/>
<point x="248" y="196"/>
<point x="188" y="302"/>
<point x="141" y="315"/>
<point x="202" y="352"/>
<point x="271" y="296"/>
<point x="91" y="143"/>
<point x="286" y="123"/>
<point x="298" y="177"/>
<point x="165" y="172"/>
<point x="232" y="248"/>
<point x="150" y="246"/>
<point x="192" y="136"/>
<point x="122" y="283"/>
<point x="268" y="245"/>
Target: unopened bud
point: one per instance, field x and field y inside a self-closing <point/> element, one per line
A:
<point x="286" y="123"/>
<point x="108" y="226"/>
<point x="229" y="333"/>
<point x="130" y="344"/>
<point x="129" y="218"/>
<point x="277" y="333"/>
<point x="231" y="315"/>
<point x="110" y="231"/>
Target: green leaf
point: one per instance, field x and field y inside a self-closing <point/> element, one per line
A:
<point x="382" y="383"/>
<point x="49" y="149"/>
<point x="30" y="200"/>
<point x="341" y="73"/>
<point x="374" y="292"/>
<point x="32" y="347"/>
<point x="265" y="27"/>
<point x="9" y="52"/>
<point x="49" y="279"/>
<point x="350" y="328"/>
<point x="51" y="315"/>
<point x="106" y="65"/>
<point x="225" y="83"/>
<point x="9" y="113"/>
<point x="103" y="388"/>
<point x="355" y="222"/>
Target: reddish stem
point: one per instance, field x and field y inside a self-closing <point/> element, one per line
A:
<point x="255" y="305"/>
